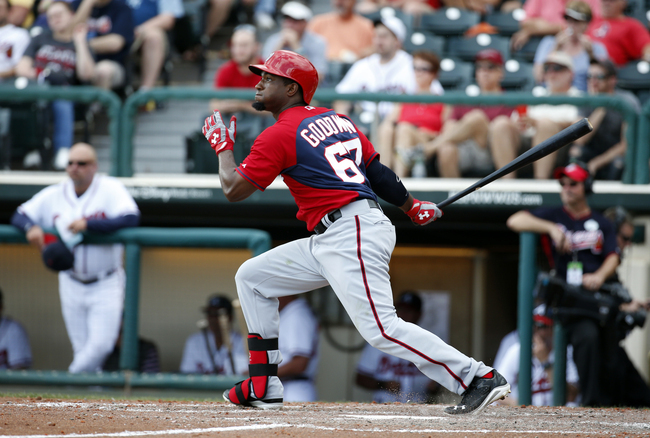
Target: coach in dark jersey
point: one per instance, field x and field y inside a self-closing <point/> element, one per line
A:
<point x="334" y="175"/>
<point x="584" y="252"/>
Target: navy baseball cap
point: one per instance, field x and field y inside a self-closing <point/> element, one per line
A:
<point x="58" y="257"/>
<point x="410" y="299"/>
<point x="219" y="302"/>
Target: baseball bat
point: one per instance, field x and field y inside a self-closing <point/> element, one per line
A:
<point x="543" y="149"/>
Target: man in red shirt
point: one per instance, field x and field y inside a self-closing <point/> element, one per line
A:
<point x="625" y="38"/>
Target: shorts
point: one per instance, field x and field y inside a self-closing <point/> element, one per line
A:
<point x="472" y="157"/>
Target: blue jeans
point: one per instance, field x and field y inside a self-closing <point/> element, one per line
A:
<point x="63" y="124"/>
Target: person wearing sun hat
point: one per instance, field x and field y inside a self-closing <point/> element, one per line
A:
<point x="574" y="42"/>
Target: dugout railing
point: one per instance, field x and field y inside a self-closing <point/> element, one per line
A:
<point x="257" y="241"/>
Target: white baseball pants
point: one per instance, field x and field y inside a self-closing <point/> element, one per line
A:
<point x="93" y="317"/>
<point x="352" y="257"/>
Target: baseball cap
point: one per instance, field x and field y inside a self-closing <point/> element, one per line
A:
<point x="491" y="55"/>
<point x="560" y="58"/>
<point x="394" y="24"/>
<point x="539" y="315"/>
<point x="410" y="299"/>
<point x="57" y="256"/>
<point x="574" y="171"/>
<point x="296" y="10"/>
<point x="218" y="302"/>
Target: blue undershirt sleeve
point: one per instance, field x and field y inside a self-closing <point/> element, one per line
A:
<point x="386" y="184"/>
<point x="110" y="225"/>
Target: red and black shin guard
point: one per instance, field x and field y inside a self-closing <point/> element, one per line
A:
<point x="252" y="391"/>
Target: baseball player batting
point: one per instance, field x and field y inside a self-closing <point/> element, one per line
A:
<point x="335" y="176"/>
<point x="91" y="286"/>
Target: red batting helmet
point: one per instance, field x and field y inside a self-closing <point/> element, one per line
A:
<point x="293" y="66"/>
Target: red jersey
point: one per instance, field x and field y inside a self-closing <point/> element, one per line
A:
<point x="422" y="115"/>
<point x="229" y="76"/>
<point x="321" y="155"/>
<point x="624" y="38"/>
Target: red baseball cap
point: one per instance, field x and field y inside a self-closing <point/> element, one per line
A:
<point x="492" y="55"/>
<point x="539" y="315"/>
<point x="573" y="171"/>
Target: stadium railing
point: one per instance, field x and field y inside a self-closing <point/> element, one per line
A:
<point x="134" y="239"/>
<point x="82" y="94"/>
<point x="129" y="110"/>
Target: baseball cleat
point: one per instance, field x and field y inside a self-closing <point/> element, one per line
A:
<point x="480" y="393"/>
<point x="273" y="403"/>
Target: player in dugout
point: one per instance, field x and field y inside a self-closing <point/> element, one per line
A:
<point x="329" y="167"/>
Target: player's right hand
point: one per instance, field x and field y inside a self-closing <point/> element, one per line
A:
<point x="423" y="212"/>
<point x="221" y="138"/>
<point x="36" y="236"/>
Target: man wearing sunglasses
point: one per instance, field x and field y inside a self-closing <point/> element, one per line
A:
<point x="583" y="251"/>
<point x="91" y="277"/>
<point x="604" y="148"/>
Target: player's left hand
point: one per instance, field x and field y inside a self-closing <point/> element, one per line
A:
<point x="423" y="212"/>
<point x="78" y="226"/>
<point x="221" y="137"/>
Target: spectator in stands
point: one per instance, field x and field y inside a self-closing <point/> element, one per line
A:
<point x="148" y="358"/>
<point x="221" y="11"/>
<point x="59" y="56"/>
<point x="15" y="351"/>
<point x="625" y="38"/>
<point x="13" y="42"/>
<point x="20" y="13"/>
<point x="152" y="20"/>
<point x="573" y="41"/>
<point x="348" y="34"/>
<point x="544" y="17"/>
<point x="468" y="131"/>
<point x="388" y="70"/>
<point x="393" y="379"/>
<point x="110" y="33"/>
<point x="244" y="51"/>
<point x="211" y="351"/>
<point x="410" y="124"/>
<point x="543" y="359"/>
<point x="410" y="7"/>
<point x="538" y="122"/>
<point x="295" y="36"/>
<point x="298" y="345"/>
<point x="604" y="148"/>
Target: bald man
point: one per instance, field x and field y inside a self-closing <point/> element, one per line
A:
<point x="91" y="277"/>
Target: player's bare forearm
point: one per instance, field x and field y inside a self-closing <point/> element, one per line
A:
<point x="296" y="366"/>
<point x="524" y="221"/>
<point x="234" y="186"/>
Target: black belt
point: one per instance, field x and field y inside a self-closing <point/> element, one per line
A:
<point x="335" y="215"/>
<point x="92" y="279"/>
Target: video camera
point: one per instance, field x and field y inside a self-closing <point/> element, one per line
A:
<point x="566" y="302"/>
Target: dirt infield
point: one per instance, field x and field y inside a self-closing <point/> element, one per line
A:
<point x="34" y="417"/>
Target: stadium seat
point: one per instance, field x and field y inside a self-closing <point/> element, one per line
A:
<point x="449" y="21"/>
<point x="518" y="76"/>
<point x="506" y="23"/>
<point x="425" y="41"/>
<point x="527" y="53"/>
<point x="455" y="74"/>
<point x="634" y="76"/>
<point x="467" y="48"/>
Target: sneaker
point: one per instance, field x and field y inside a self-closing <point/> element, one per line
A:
<point x="274" y="386"/>
<point x="480" y="393"/>
<point x="61" y="159"/>
<point x="32" y="160"/>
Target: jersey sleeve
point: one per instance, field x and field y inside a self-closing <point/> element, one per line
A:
<point x="610" y="245"/>
<point x="37" y="208"/>
<point x="268" y="157"/>
<point x="122" y="203"/>
<point x="640" y="37"/>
